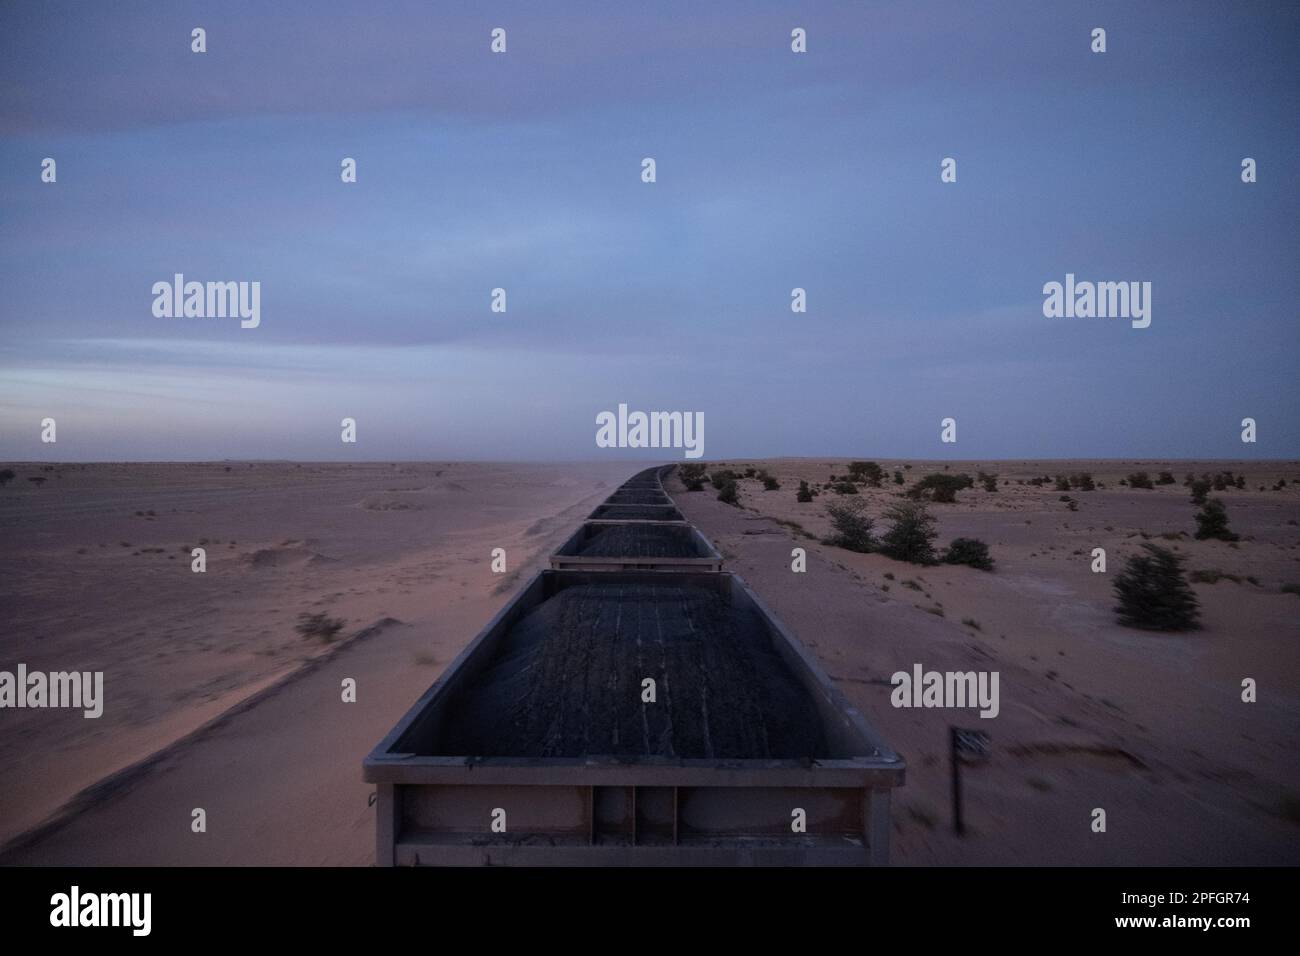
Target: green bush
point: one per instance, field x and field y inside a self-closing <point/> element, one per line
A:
<point x="1212" y="522"/>
<point x="898" y="477"/>
<point x="1140" y="479"/>
<point x="1166" y="478"/>
<point x="990" y="482"/>
<point x="1083" y="481"/>
<point x="852" y="525"/>
<point x="970" y="551"/>
<point x="805" y="493"/>
<point x="770" y="483"/>
<point x="1200" y="488"/>
<point x="727" y="494"/>
<point x="845" y="488"/>
<point x="911" y="537"/>
<point x="1154" y="595"/>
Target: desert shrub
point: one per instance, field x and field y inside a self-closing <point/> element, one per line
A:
<point x="320" y="626"/>
<point x="1153" y="594"/>
<point x="805" y="493"/>
<point x="695" y="484"/>
<point x="1083" y="481"/>
<point x="852" y="525"/>
<point x="38" y="480"/>
<point x="749" y="472"/>
<point x="1212" y="522"/>
<point x="898" y="477"/>
<point x="728" y="493"/>
<point x="1140" y="479"/>
<point x="970" y="551"/>
<point x="770" y="483"/>
<point x="1062" y="483"/>
<point x="690" y="472"/>
<point x="990" y="482"/>
<point x="911" y="537"/>
<point x="845" y="488"/>
<point x="1200" y="488"/>
<point x="720" y="479"/>
<point x="6" y="476"/>
<point x="867" y="471"/>
<point x="1166" y="478"/>
<point x="1241" y="481"/>
<point x="940" y="488"/>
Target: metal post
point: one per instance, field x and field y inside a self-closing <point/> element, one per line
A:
<point x="956" y="782"/>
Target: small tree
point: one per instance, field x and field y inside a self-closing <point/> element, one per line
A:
<point x="1153" y="594"/>
<point x="898" y="477"/>
<point x="805" y="493"/>
<point x="852" y="525"/>
<point x="1212" y="522"/>
<point x="911" y="538"/>
<point x="970" y="551"/>
<point x="940" y="487"/>
<point x="1200" y="488"/>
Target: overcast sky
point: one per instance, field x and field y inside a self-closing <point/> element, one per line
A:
<point x="523" y="171"/>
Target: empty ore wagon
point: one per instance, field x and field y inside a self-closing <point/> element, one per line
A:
<point x="638" y="496"/>
<point x="609" y="512"/>
<point x="637" y="545"/>
<point x="541" y="744"/>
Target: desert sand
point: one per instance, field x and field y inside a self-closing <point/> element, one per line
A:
<point x="215" y="701"/>
<point x="1148" y="726"/>
<point x="97" y="570"/>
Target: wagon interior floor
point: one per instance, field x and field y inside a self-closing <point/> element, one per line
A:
<point x="639" y="541"/>
<point x="639" y="512"/>
<point x="567" y="682"/>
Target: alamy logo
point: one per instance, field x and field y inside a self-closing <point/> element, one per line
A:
<point x="1102" y="300"/>
<point x="651" y="430"/>
<point x="77" y="689"/>
<point x="208" y="300"/>
<point x="946" y="689"/>
<point x="75" y="908"/>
